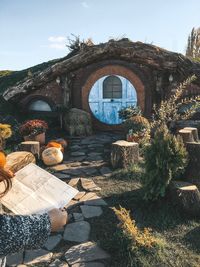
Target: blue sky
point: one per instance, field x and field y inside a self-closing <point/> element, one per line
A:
<point x="34" y="31"/>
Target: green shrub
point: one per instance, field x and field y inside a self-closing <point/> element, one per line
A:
<point x="165" y="159"/>
<point x="137" y="124"/>
<point x="128" y="112"/>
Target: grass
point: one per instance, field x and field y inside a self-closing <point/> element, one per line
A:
<point x="179" y="233"/>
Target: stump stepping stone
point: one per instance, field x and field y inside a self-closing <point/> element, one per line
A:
<point x="37" y="256"/>
<point x="91" y="211"/>
<point x="85" y="252"/>
<point x="52" y="242"/>
<point x="88" y="196"/>
<point x="89" y="185"/>
<point x="71" y="203"/>
<point x="77" y="232"/>
<point x="60" y="167"/>
<point x="58" y="263"/>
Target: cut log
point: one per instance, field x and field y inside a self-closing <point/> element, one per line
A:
<point x="192" y="171"/>
<point x="31" y="146"/>
<point x="124" y="153"/>
<point x="17" y="160"/>
<point x="194" y="133"/>
<point x="187" y="196"/>
<point x="186" y="135"/>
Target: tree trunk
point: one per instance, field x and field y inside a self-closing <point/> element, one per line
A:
<point x="186" y="135"/>
<point x="192" y="173"/>
<point x="187" y="196"/>
<point x="194" y="133"/>
<point x="124" y="153"/>
<point x="31" y="146"/>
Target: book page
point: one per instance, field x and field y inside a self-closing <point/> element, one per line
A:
<point x="34" y="190"/>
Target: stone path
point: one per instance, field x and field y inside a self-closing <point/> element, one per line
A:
<point x="84" y="159"/>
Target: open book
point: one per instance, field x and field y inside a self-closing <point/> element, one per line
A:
<point x="34" y="190"/>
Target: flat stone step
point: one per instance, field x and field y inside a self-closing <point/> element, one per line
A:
<point x="85" y="252"/>
<point x="37" y="256"/>
<point x="91" y="211"/>
<point x="77" y="232"/>
<point x="52" y="242"/>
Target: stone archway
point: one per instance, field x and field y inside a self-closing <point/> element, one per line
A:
<point x="112" y="70"/>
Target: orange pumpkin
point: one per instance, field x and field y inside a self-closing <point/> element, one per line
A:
<point x="55" y="144"/>
<point x="2" y="159"/>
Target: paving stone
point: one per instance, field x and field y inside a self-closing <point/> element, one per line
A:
<point x="78" y="217"/>
<point x="37" y="256"/>
<point x="95" y="146"/>
<point x="89" y="185"/>
<point x="89" y="264"/>
<point x="105" y="171"/>
<point x="58" y="263"/>
<point x="21" y="265"/>
<point x="88" y="141"/>
<point x="91" y="211"/>
<point x="94" y="158"/>
<point x="79" y="195"/>
<point x="95" y="201"/>
<point x="52" y="242"/>
<point x="90" y="170"/>
<point x="77" y="232"/>
<point x="85" y="252"/>
<point x="59" y="167"/>
<point x="81" y="158"/>
<point x="74" y="171"/>
<point x="75" y="164"/>
<point x="77" y="153"/>
<point x="62" y="176"/>
<point x="86" y="163"/>
<point x="94" y="154"/>
<point x="14" y="259"/>
<point x="71" y="203"/>
<point x="75" y="147"/>
<point x="73" y="182"/>
<point x="88" y="196"/>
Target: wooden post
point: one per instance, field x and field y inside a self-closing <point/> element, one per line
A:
<point x="31" y="146"/>
<point x="194" y="133"/>
<point x="186" y="135"/>
<point x="124" y="153"/>
<point x="187" y="196"/>
<point x="192" y="173"/>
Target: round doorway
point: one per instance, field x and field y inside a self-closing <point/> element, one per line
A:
<point x="109" y="95"/>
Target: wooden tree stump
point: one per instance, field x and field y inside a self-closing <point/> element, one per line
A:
<point x="124" y="153"/>
<point x="17" y="160"/>
<point x="192" y="172"/>
<point x="194" y="133"/>
<point x="186" y="135"/>
<point x="187" y="196"/>
<point x="31" y="146"/>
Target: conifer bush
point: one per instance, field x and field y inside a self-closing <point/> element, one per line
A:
<point x="165" y="159"/>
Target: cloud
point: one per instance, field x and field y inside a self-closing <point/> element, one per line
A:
<point x="57" y="42"/>
<point x="57" y="39"/>
<point x="84" y="4"/>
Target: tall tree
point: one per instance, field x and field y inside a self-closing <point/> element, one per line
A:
<point x="193" y="45"/>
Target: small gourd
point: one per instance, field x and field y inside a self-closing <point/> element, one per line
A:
<point x="52" y="156"/>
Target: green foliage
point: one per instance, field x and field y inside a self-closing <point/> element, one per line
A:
<point x="165" y="159"/>
<point x="5" y="72"/>
<point x="137" y="124"/>
<point x="128" y="112"/>
<point x="168" y="111"/>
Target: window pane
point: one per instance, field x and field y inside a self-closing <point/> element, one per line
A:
<point x="39" y="105"/>
<point x="112" y="87"/>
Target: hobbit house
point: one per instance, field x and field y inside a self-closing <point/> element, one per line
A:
<point x="101" y="79"/>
